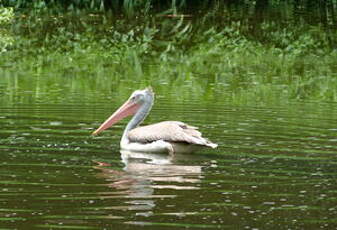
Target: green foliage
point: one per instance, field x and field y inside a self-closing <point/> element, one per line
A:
<point x="284" y="63"/>
<point x="6" y="17"/>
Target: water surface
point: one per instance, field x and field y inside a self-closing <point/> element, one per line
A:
<point x="275" y="166"/>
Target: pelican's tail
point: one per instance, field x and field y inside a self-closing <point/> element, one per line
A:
<point x="212" y="145"/>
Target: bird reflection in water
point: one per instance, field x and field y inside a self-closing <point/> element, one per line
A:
<point x="144" y="173"/>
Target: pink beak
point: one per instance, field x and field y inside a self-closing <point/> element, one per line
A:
<point x="127" y="109"/>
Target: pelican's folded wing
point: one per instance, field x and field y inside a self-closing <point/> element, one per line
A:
<point x="172" y="131"/>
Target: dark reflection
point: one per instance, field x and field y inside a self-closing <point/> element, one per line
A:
<point x="144" y="173"/>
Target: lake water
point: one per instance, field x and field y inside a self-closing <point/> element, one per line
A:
<point x="275" y="166"/>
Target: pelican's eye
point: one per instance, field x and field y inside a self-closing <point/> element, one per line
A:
<point x="135" y="98"/>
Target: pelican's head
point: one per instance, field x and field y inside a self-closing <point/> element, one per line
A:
<point x="141" y="96"/>
<point x="137" y="99"/>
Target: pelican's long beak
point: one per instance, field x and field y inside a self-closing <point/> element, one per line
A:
<point x="127" y="109"/>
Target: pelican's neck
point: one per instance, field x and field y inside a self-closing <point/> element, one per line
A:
<point x="138" y="118"/>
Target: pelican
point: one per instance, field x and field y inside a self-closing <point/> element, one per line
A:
<point x="163" y="137"/>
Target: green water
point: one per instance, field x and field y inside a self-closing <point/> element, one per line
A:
<point x="275" y="166"/>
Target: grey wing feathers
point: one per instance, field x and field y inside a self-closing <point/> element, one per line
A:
<point x="173" y="131"/>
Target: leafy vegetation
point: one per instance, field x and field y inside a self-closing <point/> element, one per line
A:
<point x="6" y="17"/>
<point x="217" y="50"/>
